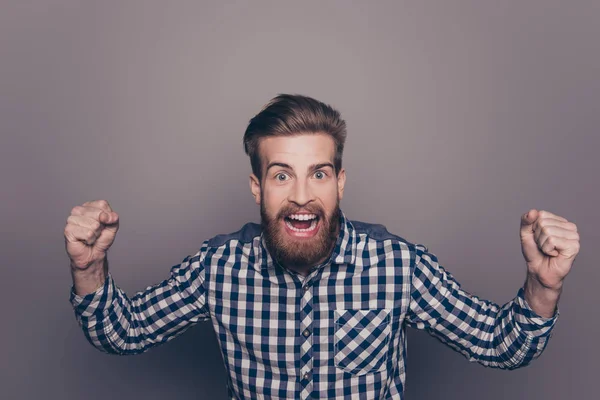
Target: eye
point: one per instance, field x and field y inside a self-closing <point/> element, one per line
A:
<point x="320" y="175"/>
<point x="281" y="177"/>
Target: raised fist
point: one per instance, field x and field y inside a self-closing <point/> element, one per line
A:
<point x="90" y="231"/>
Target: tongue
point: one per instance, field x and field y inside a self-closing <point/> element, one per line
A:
<point x="300" y="224"/>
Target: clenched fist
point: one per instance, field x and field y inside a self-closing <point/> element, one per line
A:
<point x="549" y="244"/>
<point x="90" y="231"/>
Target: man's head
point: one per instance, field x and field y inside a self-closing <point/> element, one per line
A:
<point x="295" y="145"/>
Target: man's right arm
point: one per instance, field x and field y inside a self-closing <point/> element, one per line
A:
<point x="116" y="324"/>
<point x="111" y="321"/>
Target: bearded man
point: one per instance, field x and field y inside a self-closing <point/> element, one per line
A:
<point x="310" y="304"/>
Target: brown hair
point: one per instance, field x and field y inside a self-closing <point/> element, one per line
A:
<point x="289" y="115"/>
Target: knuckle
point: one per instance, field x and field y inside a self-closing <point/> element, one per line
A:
<point x="103" y="204"/>
<point x="76" y="210"/>
<point x="90" y="235"/>
<point x="69" y="237"/>
<point x="573" y="226"/>
<point x="69" y="233"/>
<point x="96" y="226"/>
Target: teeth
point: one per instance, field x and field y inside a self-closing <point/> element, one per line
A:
<point x="313" y="225"/>
<point x="302" y="217"/>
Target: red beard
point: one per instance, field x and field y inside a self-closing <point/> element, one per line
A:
<point x="290" y="252"/>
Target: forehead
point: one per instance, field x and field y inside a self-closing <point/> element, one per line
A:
<point x="297" y="150"/>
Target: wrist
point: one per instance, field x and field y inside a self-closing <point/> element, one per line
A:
<point x="541" y="298"/>
<point x="536" y="283"/>
<point x="89" y="280"/>
<point x="91" y="264"/>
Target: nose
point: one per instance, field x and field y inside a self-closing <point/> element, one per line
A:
<point x="301" y="194"/>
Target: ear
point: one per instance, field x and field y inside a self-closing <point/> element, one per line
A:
<point x="341" y="182"/>
<point x="255" y="188"/>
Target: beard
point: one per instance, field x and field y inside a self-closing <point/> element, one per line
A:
<point x="290" y="252"/>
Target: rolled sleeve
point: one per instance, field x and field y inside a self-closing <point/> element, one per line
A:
<point x="528" y="321"/>
<point x="95" y="303"/>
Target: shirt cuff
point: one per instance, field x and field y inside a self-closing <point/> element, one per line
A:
<point x="94" y="303"/>
<point x="529" y="321"/>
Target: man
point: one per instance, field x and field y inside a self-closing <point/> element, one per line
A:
<point x="309" y="304"/>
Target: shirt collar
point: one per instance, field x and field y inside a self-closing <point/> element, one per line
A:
<point x="344" y="251"/>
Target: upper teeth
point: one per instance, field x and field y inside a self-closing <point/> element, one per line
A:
<point x="302" y="217"/>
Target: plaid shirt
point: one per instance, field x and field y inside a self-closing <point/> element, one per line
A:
<point x="339" y="332"/>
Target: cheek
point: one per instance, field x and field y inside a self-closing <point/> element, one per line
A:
<point x="273" y="199"/>
<point x="329" y="196"/>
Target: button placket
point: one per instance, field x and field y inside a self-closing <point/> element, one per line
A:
<point x="305" y="332"/>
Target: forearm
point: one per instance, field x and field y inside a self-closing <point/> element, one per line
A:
<point x="507" y="336"/>
<point x="89" y="280"/>
<point x="495" y="336"/>
<point x="117" y="324"/>
<point x="543" y="300"/>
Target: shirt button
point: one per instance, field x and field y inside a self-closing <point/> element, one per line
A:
<point x="306" y="333"/>
<point x="306" y="287"/>
<point x="306" y="376"/>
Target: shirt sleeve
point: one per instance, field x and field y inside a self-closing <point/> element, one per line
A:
<point x="508" y="336"/>
<point x="116" y="324"/>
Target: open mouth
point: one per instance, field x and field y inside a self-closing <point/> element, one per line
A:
<point x="302" y="224"/>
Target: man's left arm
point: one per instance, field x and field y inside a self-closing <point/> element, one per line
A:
<point x="507" y="336"/>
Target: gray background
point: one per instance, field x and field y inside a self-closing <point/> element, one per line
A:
<point x="462" y="116"/>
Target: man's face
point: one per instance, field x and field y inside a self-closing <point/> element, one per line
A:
<point x="299" y="196"/>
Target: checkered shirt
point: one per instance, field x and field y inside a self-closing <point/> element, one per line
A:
<point x="339" y="332"/>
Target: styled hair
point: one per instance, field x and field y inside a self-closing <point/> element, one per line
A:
<point x="290" y="115"/>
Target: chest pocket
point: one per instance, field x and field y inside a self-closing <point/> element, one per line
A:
<point x="361" y="340"/>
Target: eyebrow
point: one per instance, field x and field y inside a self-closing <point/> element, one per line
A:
<point x="310" y="168"/>
<point x="322" y="165"/>
<point x="277" y="164"/>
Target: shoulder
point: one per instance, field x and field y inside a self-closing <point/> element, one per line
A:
<point x="375" y="231"/>
<point x="379" y="233"/>
<point x="233" y="249"/>
<point x="247" y="234"/>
